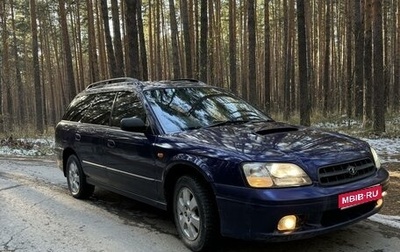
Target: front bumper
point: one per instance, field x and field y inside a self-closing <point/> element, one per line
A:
<point x="247" y="213"/>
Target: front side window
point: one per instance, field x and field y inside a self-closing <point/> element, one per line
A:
<point x="180" y="109"/>
<point x="100" y="110"/>
<point x="126" y="105"/>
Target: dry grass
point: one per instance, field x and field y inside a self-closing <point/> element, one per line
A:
<point x="26" y="132"/>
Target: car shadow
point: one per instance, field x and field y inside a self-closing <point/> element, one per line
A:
<point x="141" y="215"/>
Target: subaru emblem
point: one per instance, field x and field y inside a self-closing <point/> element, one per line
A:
<point x="352" y="170"/>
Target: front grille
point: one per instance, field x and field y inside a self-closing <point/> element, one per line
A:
<point x="347" y="172"/>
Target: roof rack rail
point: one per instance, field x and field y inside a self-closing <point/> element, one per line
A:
<point x="103" y="83"/>
<point x="186" y="79"/>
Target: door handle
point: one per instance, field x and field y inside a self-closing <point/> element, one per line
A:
<point x="78" y="137"/>
<point x="110" y="144"/>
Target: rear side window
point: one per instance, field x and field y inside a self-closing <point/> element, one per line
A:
<point x="78" y="107"/>
<point x="100" y="110"/>
<point x="127" y="104"/>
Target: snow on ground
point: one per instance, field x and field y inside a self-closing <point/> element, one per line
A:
<point x="26" y="147"/>
<point x="392" y="221"/>
<point x="7" y="151"/>
<point x="387" y="148"/>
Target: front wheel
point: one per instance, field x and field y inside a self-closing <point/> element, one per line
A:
<point x="194" y="213"/>
<point x="76" y="179"/>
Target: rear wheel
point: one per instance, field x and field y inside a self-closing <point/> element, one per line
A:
<point x="76" y="179"/>
<point x="194" y="213"/>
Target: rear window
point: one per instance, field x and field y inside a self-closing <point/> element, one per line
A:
<point x="91" y="108"/>
<point x="78" y="107"/>
<point x="100" y="110"/>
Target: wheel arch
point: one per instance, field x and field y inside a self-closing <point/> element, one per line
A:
<point x="179" y="169"/>
<point x="66" y="154"/>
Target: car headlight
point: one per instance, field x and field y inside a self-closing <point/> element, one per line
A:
<point x="377" y="160"/>
<point x="269" y="175"/>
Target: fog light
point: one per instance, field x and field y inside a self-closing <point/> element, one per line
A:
<point x="287" y="223"/>
<point x="379" y="203"/>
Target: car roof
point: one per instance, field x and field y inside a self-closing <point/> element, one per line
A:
<point x="127" y="83"/>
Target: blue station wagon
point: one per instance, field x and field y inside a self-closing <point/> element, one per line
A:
<point x="218" y="164"/>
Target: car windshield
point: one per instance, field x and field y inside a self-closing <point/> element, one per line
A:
<point x="185" y="108"/>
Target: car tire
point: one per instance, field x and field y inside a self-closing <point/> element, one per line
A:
<point x="76" y="179"/>
<point x="195" y="214"/>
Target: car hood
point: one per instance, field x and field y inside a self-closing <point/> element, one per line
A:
<point x="271" y="142"/>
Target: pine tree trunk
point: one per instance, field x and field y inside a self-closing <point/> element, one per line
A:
<point x="359" y="50"/>
<point x="110" y="50"/>
<point x="36" y="70"/>
<point x="244" y="55"/>
<point x="101" y="48"/>
<point x="4" y="28"/>
<point x="232" y="48"/>
<point x="79" y="59"/>
<point x="287" y="61"/>
<point x="367" y="109"/>
<point x="186" y="37"/>
<point x="157" y="45"/>
<point x="93" y="63"/>
<point x="5" y="73"/>
<point x="349" y="73"/>
<point x="203" y="41"/>
<point x="302" y="51"/>
<point x="379" y="85"/>
<point x="119" y="56"/>
<point x="174" y="41"/>
<point x="132" y="37"/>
<point x="292" y="91"/>
<point x="267" y="61"/>
<point x="142" y="43"/>
<point x="21" y="118"/>
<point x="326" y="82"/>
<point x="252" y="52"/>
<point x="396" y="82"/>
<point x="70" y="78"/>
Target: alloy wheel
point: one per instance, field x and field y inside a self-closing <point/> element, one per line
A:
<point x="188" y="213"/>
<point x="74" y="178"/>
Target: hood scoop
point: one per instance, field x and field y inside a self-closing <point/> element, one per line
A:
<point x="267" y="131"/>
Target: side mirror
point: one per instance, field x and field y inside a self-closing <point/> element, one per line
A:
<point x="133" y="124"/>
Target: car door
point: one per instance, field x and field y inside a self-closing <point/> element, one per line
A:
<point x="89" y="137"/>
<point x="130" y="155"/>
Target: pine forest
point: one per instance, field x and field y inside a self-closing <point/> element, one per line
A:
<point x="293" y="58"/>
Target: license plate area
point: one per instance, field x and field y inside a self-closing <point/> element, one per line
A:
<point x="359" y="197"/>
